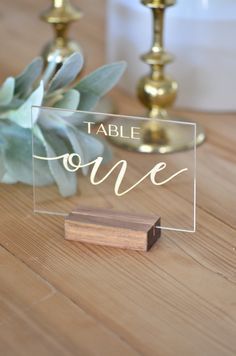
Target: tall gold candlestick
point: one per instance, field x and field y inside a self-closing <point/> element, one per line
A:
<point x="157" y="92"/>
<point x="60" y="15"/>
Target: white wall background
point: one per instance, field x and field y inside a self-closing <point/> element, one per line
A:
<point x="202" y="36"/>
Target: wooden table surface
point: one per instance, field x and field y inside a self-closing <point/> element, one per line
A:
<point x="62" y="298"/>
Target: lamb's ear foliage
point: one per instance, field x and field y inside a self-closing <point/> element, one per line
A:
<point x="7" y="91"/>
<point x="67" y="73"/>
<point x="26" y="80"/>
<point x="98" y="83"/>
<point x="33" y="87"/>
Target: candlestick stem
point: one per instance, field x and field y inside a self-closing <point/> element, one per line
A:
<point x="157" y="92"/>
<point x="61" y="15"/>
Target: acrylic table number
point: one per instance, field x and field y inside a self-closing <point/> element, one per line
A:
<point x="108" y="195"/>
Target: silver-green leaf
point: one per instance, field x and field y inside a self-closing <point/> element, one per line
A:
<point x="70" y="100"/>
<point x="22" y="116"/>
<point x="87" y="146"/>
<point x="50" y="69"/>
<point x="18" y="158"/>
<point x="98" y="83"/>
<point x="55" y="146"/>
<point x="67" y="73"/>
<point x="25" y="81"/>
<point x="7" y="91"/>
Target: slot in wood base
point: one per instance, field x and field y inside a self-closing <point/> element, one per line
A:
<point x="115" y="229"/>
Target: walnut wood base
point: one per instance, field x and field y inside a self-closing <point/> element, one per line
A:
<point x="110" y="228"/>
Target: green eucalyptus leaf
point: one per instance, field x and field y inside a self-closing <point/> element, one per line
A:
<point x="87" y="146"/>
<point x="13" y="105"/>
<point x="59" y="134"/>
<point x="93" y="147"/>
<point x="50" y="69"/>
<point x="18" y="157"/>
<point x="70" y="100"/>
<point x="98" y="83"/>
<point x="67" y="73"/>
<point x="8" y="179"/>
<point x="89" y="101"/>
<point x="55" y="146"/>
<point x="51" y="121"/>
<point x="54" y="119"/>
<point x="7" y="91"/>
<point x="25" y="81"/>
<point x="22" y="116"/>
<point x="73" y="136"/>
<point x="78" y="118"/>
<point x="107" y="151"/>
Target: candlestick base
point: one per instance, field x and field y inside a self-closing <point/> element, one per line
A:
<point x="160" y="138"/>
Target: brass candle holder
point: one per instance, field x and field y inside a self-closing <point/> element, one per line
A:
<point x="60" y="15"/>
<point x="157" y="92"/>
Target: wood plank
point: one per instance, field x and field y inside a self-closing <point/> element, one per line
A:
<point x="112" y="228"/>
<point x="36" y="319"/>
<point x="179" y="291"/>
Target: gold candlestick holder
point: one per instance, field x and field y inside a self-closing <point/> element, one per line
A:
<point x="157" y="92"/>
<point x="60" y="15"/>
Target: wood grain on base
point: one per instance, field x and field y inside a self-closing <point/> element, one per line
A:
<point x="111" y="228"/>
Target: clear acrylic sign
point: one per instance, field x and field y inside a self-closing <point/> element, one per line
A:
<point x="82" y="160"/>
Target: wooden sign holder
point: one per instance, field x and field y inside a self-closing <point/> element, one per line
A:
<point x="110" y="228"/>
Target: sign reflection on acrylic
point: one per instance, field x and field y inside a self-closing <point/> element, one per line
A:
<point x="109" y="195"/>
